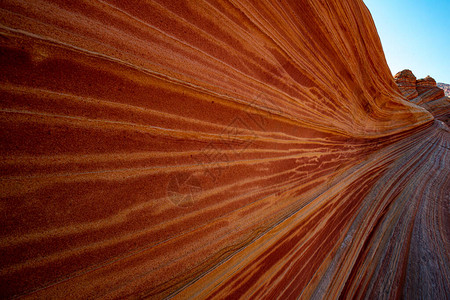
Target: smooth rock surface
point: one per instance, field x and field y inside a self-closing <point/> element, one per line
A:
<point x="213" y="149"/>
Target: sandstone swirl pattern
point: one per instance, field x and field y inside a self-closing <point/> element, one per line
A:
<point x="213" y="149"/>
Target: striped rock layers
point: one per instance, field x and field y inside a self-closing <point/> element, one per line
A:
<point x="426" y="93"/>
<point x="428" y="89"/>
<point x="213" y="149"/>
<point x="406" y="82"/>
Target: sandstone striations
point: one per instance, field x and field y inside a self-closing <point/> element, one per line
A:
<point x="406" y="82"/>
<point x="213" y="149"/>
<point x="428" y="90"/>
<point x="426" y="93"/>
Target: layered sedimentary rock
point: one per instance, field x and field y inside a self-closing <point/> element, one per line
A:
<point x="406" y="82"/>
<point x="440" y="109"/>
<point x="213" y="149"/>
<point x="445" y="87"/>
<point x="428" y="90"/>
<point x="426" y="93"/>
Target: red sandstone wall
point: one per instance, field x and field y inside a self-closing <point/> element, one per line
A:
<point x="204" y="148"/>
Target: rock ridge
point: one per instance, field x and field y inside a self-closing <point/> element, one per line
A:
<point x="424" y="92"/>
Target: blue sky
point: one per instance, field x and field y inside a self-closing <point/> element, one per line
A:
<point x="415" y="35"/>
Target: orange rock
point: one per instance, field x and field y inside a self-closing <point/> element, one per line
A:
<point x="406" y="82"/>
<point x="217" y="149"/>
<point x="428" y="90"/>
<point x="426" y="93"/>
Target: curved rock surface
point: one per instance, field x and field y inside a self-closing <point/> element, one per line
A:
<point x="213" y="149"/>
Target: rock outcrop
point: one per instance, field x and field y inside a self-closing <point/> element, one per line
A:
<point x="406" y="82"/>
<point x="255" y="149"/>
<point x="445" y="87"/>
<point x="425" y="93"/>
<point x="428" y="90"/>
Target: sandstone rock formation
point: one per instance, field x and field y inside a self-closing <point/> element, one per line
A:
<point x="255" y="149"/>
<point x="428" y="90"/>
<point x="445" y="87"/>
<point x="406" y="82"/>
<point x="426" y="93"/>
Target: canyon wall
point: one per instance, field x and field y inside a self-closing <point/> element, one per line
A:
<point x="213" y="149"/>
